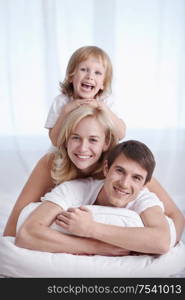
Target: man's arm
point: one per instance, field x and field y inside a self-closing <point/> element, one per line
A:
<point x="36" y="234"/>
<point x="154" y="237"/>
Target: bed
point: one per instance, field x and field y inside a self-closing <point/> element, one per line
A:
<point x="18" y="262"/>
<point x="18" y="157"/>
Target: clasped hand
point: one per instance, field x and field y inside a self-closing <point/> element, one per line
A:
<point x="77" y="221"/>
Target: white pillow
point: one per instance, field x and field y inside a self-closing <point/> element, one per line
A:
<point x="103" y="214"/>
<point x="20" y="262"/>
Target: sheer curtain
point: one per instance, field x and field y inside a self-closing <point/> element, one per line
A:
<point x="146" y="42"/>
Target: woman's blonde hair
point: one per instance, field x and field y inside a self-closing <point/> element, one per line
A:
<point x="81" y="55"/>
<point x="63" y="168"/>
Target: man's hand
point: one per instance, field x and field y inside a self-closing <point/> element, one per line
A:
<point x="77" y="221"/>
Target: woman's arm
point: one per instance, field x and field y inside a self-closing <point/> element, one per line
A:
<point x="37" y="185"/>
<point x="36" y="234"/>
<point x="171" y="210"/>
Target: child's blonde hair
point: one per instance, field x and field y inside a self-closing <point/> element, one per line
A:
<point x="63" y="168"/>
<point x="81" y="55"/>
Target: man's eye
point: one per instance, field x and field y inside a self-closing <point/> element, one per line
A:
<point x="137" y="178"/>
<point x="119" y="170"/>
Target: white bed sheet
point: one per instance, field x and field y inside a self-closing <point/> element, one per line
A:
<point x="18" y="262"/>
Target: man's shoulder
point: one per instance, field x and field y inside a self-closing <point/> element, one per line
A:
<point x="144" y="200"/>
<point x="83" y="182"/>
<point x="145" y="193"/>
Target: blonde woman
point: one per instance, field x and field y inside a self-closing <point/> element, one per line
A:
<point x="85" y="138"/>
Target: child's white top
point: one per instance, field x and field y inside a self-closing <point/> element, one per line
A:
<point x="61" y="100"/>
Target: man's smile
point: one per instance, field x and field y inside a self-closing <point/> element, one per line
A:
<point x="120" y="191"/>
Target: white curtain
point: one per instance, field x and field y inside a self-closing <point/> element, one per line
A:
<point x="146" y="42"/>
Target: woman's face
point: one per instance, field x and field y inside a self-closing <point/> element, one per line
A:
<point x="86" y="143"/>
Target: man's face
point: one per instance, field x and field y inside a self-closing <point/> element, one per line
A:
<point x="124" y="180"/>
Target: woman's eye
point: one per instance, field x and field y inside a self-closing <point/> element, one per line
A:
<point x="82" y="69"/>
<point x="93" y="140"/>
<point x="75" y="137"/>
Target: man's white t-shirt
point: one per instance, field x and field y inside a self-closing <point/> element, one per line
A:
<point x="75" y="193"/>
<point x="79" y="192"/>
<point x="62" y="99"/>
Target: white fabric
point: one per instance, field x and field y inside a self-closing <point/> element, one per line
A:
<point x="19" y="262"/>
<point x="103" y="214"/>
<point x="62" y="99"/>
<point x="75" y="193"/>
<point x="85" y="191"/>
<point x="55" y="109"/>
<point x="148" y="77"/>
<point x="79" y="192"/>
<point x="148" y="69"/>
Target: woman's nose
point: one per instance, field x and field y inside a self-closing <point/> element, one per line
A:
<point x="83" y="146"/>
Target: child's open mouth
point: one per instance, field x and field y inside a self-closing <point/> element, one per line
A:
<point x="87" y="86"/>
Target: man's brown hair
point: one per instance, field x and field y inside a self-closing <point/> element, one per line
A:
<point x="136" y="151"/>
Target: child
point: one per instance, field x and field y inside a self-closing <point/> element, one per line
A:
<point x="87" y="81"/>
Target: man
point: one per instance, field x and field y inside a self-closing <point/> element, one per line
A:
<point x="128" y="168"/>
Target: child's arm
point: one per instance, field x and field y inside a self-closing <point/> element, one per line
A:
<point x="119" y="124"/>
<point x="67" y="108"/>
<point x="153" y="238"/>
<point x="171" y="210"/>
<point x="37" y="185"/>
<point x="36" y="234"/>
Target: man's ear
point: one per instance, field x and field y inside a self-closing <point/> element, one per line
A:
<point x="105" y="168"/>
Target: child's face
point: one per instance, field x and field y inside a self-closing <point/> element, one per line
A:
<point x="88" y="78"/>
<point x="124" y="180"/>
<point x="86" y="144"/>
